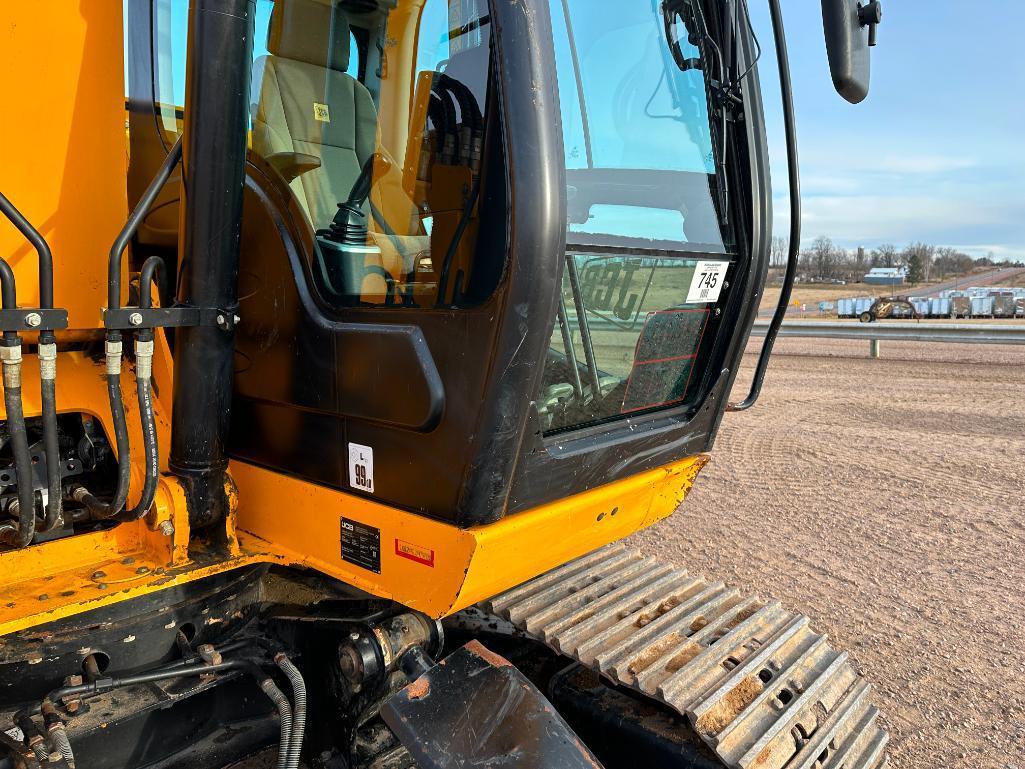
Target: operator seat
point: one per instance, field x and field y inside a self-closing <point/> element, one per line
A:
<point x="308" y="104"/>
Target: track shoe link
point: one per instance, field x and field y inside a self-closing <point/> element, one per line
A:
<point x="755" y="681"/>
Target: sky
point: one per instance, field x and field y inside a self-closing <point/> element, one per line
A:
<point x="936" y="151"/>
<point x="933" y="154"/>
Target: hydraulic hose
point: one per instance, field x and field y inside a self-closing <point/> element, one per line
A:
<point x="143" y="372"/>
<point x="295" y="743"/>
<point x="8" y="288"/>
<point x="33" y="736"/>
<point x="47" y="363"/>
<point x="58" y="734"/>
<point x="114" y="352"/>
<point x="10" y="353"/>
<point x="151" y="268"/>
<point x="97" y="508"/>
<point x="447" y="147"/>
<point x="138" y="214"/>
<point x="55" y="728"/>
<point x="54" y="516"/>
<point x="436" y="112"/>
<point x="42" y="249"/>
<point x="284" y="715"/>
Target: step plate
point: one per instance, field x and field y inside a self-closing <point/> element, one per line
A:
<point x="757" y="684"/>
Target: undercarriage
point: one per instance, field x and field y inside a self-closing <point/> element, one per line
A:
<point x="645" y="664"/>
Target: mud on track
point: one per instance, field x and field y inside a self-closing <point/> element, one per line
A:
<point x="886" y="500"/>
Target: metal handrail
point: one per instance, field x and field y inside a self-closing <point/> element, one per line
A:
<point x="952" y="333"/>
<point x="794" y="179"/>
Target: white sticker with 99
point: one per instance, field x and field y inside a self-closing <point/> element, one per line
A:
<point x="361" y="467"/>
<point x="707" y="282"/>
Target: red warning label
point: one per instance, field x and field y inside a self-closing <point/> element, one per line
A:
<point x="413" y="552"/>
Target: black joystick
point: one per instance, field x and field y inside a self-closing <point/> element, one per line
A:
<point x="349" y="225"/>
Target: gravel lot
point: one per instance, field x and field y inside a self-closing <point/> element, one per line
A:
<point x="884" y="498"/>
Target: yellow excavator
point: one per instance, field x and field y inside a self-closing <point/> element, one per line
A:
<point x="342" y="342"/>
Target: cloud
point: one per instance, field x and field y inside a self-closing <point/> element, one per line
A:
<point x="943" y="199"/>
<point x="920" y="164"/>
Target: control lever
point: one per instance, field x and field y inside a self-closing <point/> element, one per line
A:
<point x="350" y="223"/>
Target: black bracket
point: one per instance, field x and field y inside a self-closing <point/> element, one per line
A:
<point x="33" y="319"/>
<point x="127" y="318"/>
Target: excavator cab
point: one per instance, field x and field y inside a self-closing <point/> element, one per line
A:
<point x="410" y="310"/>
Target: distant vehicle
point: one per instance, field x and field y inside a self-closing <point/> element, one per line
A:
<point x="1004" y="305"/>
<point x="885" y="276"/>
<point x="889" y="307"/>
<point x="960" y="307"/>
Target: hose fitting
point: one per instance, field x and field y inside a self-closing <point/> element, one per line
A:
<point x="143" y="359"/>
<point x="114" y="350"/>
<point x="48" y="361"/>
<point x="11" y="357"/>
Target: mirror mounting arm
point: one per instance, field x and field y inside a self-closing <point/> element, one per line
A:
<point x="871" y="15"/>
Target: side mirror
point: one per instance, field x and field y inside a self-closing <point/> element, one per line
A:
<point x="850" y="28"/>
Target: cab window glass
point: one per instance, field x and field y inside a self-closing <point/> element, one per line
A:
<point x="170" y="35"/>
<point x="649" y="254"/>
<point x="640" y="147"/>
<point x="385" y="160"/>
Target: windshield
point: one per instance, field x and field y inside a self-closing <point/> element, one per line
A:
<point x="649" y="258"/>
<point x="641" y="169"/>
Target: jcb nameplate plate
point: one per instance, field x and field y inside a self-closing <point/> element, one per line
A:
<point x="361" y="545"/>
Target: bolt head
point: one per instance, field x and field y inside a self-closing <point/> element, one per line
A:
<point x="222" y="321"/>
<point x="135" y="319"/>
<point x="166" y="528"/>
<point x="33" y="319"/>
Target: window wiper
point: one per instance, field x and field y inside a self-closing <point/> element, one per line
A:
<point x="691" y="17"/>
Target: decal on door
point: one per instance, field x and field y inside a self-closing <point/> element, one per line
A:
<point x="361" y="467"/>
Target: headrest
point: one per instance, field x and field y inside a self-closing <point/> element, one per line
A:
<point x="312" y="31"/>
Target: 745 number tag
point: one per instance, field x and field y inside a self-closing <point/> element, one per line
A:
<point x="707" y="282"/>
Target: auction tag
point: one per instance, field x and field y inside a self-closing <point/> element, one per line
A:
<point x="707" y="282"/>
<point x="361" y="467"/>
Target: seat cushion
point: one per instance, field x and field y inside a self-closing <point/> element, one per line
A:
<point x="322" y="112"/>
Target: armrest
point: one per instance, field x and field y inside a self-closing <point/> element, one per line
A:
<point x="292" y="164"/>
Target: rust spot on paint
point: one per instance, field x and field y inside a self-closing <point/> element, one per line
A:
<point x="478" y="649"/>
<point x="419" y="689"/>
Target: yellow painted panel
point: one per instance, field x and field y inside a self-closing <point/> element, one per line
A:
<point x="434" y="567"/>
<point x="425" y="564"/>
<point x="63" y="139"/>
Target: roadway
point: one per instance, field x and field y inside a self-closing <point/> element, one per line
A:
<point x="982" y="279"/>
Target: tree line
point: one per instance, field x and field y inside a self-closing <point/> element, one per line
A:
<point x="823" y="260"/>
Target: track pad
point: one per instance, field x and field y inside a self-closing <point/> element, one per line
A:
<point x="474" y="709"/>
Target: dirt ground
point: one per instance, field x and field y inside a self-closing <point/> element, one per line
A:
<point x="884" y="498"/>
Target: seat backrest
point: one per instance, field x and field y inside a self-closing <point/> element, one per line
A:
<point x="307" y="103"/>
